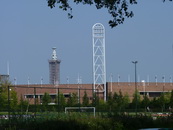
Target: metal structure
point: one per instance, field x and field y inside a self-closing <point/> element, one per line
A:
<point x="4" y="77"/>
<point x="136" y="106"/>
<point x="54" y="68"/>
<point x="99" y="63"/>
<point x="81" y="109"/>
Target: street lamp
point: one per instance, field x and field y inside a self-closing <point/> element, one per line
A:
<point x="135" y="62"/>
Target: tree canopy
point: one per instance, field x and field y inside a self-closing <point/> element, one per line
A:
<point x="118" y="9"/>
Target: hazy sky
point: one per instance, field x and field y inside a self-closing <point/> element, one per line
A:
<point x="29" y="29"/>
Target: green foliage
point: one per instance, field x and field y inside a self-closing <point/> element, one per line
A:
<point x="102" y="105"/>
<point x="60" y="101"/>
<point x="126" y="100"/>
<point x="3" y="100"/>
<point x="118" y="9"/>
<point x="73" y="100"/>
<point x="13" y="100"/>
<point x="46" y="99"/>
<point x="136" y="100"/>
<point x="117" y="102"/>
<point x="123" y="101"/>
<point x="23" y="104"/>
<point x="171" y="100"/>
<point x="95" y="100"/>
<point x="4" y="96"/>
<point x="77" y="121"/>
<point x="145" y="102"/>
<point x="110" y="101"/>
<point x="154" y="103"/>
<point x="161" y="101"/>
<point x="85" y="100"/>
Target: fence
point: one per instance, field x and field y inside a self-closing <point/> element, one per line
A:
<point x="33" y="98"/>
<point x="34" y="105"/>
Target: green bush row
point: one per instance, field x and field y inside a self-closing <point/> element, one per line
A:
<point x="78" y="121"/>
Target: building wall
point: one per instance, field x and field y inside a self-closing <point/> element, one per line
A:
<point x="28" y="92"/>
<point x="150" y="89"/>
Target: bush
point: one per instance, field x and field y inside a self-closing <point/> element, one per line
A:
<point x="80" y="121"/>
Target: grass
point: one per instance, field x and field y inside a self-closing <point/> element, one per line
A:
<point x="82" y="121"/>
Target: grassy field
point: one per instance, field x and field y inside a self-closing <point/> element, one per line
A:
<point x="84" y="121"/>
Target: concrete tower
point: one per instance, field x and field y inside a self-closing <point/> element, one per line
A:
<point x="99" y="62"/>
<point x="54" y="68"/>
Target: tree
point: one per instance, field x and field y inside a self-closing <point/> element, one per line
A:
<point x="13" y="100"/>
<point x="23" y="104"/>
<point x="102" y="105"/>
<point x="118" y="9"/>
<point x="154" y="103"/>
<point x="120" y="101"/>
<point x="95" y="100"/>
<point x="115" y="101"/>
<point x="85" y="101"/>
<point x="136" y="101"/>
<point x="110" y="101"/>
<point x="145" y="102"/>
<point x="126" y="100"/>
<point x="161" y="101"/>
<point x="61" y="101"/>
<point x="46" y="99"/>
<point x="73" y="100"/>
<point x="4" y="95"/>
<point x="171" y="100"/>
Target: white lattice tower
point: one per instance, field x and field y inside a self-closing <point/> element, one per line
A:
<point x="99" y="63"/>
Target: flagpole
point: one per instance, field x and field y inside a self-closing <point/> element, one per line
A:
<point x="156" y="79"/>
<point x="129" y="80"/>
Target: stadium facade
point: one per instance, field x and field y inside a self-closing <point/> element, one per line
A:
<point x="33" y="92"/>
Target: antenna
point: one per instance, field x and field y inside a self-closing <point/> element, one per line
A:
<point x="78" y="82"/>
<point x="41" y="81"/>
<point x="15" y="81"/>
<point x="138" y="80"/>
<point x="163" y="79"/>
<point x="54" y="56"/>
<point x="28" y="81"/>
<point x="129" y="79"/>
<point x="170" y="78"/>
<point x="118" y="79"/>
<point x="67" y="81"/>
<point x="148" y="80"/>
<point x="156" y="79"/>
<point x="172" y="53"/>
<point x="8" y="68"/>
<point x="111" y="76"/>
<point x="78" y="79"/>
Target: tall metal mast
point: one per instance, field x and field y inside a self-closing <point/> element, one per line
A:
<point x="99" y="63"/>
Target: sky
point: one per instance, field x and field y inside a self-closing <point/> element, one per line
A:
<point x="29" y="30"/>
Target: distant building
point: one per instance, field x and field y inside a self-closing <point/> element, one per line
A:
<point x="4" y="77"/>
<point x="36" y="91"/>
<point x="54" y="68"/>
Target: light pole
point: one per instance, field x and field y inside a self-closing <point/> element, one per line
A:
<point x="135" y="62"/>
